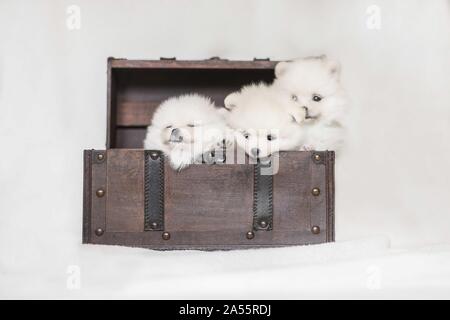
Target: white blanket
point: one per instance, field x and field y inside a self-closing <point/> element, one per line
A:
<point x="366" y="268"/>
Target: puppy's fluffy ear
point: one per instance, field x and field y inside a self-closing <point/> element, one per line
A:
<point x="334" y="67"/>
<point x="281" y="68"/>
<point x="223" y="111"/>
<point x="230" y="101"/>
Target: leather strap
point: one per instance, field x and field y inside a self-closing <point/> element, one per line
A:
<point x="262" y="199"/>
<point x="154" y="191"/>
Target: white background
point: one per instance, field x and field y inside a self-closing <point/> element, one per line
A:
<point x="393" y="179"/>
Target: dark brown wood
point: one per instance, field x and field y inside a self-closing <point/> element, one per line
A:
<point x="136" y="113"/>
<point x="87" y="191"/>
<point x="330" y="158"/>
<point x="125" y="185"/>
<point x="111" y="106"/>
<point x="208" y="207"/>
<point x="130" y="137"/>
<point x="292" y="185"/>
<point x="197" y="198"/>
<point x="98" y="204"/>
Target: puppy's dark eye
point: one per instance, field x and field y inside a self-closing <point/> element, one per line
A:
<point x="191" y="125"/>
<point x="168" y="127"/>
<point x="271" y="137"/>
<point x="294" y="97"/>
<point x="316" y="98"/>
<point x="246" y="135"/>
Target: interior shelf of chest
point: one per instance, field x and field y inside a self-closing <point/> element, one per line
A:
<point x="135" y="93"/>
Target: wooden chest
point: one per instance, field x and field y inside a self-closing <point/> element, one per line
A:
<point x="133" y="198"/>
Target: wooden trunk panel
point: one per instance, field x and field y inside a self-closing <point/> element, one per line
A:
<point x="130" y="137"/>
<point x="125" y="191"/>
<point x="292" y="196"/>
<point x="207" y="207"/>
<point x="136" y="113"/>
<point x="209" y="198"/>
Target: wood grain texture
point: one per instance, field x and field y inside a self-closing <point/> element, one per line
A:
<point x="98" y="204"/>
<point x="209" y="240"/>
<point x="318" y="204"/>
<point x="292" y="192"/>
<point x="210" y="207"/>
<point x="136" y="113"/>
<point x="111" y="107"/>
<point x="87" y="195"/>
<point x="125" y="196"/>
<point x="130" y="137"/>
<point x="330" y="156"/>
<point x="209" y="198"/>
<point x="191" y="64"/>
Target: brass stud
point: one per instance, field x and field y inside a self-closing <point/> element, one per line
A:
<point x="250" y="235"/>
<point x="315" y="192"/>
<point x="100" y="193"/>
<point x="154" y="225"/>
<point x="99" y="232"/>
<point x="317" y="157"/>
<point x="315" y="230"/>
<point x="166" y="236"/>
<point x="154" y="155"/>
<point x="263" y="224"/>
<point x="100" y="157"/>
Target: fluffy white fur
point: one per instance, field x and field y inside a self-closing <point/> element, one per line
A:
<point x="185" y="128"/>
<point x="262" y="127"/>
<point x="314" y="96"/>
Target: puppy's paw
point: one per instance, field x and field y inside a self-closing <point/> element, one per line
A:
<point x="230" y="101"/>
<point x="180" y="158"/>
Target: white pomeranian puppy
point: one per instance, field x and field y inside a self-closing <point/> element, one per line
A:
<point x="315" y="98"/>
<point x="262" y="127"/>
<point x="184" y="128"/>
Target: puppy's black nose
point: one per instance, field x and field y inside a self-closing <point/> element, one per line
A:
<point x="175" y="135"/>
<point x="307" y="116"/>
<point x="254" y="152"/>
